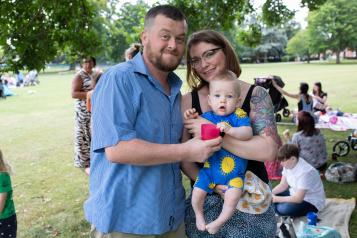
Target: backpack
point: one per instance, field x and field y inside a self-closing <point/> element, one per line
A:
<point x="341" y="172"/>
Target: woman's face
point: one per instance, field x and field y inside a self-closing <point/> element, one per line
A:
<point x="209" y="60"/>
<point x="88" y="65"/>
<point x="316" y="88"/>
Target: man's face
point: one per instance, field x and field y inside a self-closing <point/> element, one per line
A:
<point x="164" y="42"/>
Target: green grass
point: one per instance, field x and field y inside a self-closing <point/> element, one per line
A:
<point x="36" y="136"/>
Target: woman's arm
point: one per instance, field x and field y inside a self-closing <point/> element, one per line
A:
<point x="298" y="197"/>
<point x="77" y="84"/>
<point x="3" y="197"/>
<point x="239" y="133"/>
<point x="281" y="187"/>
<point x="282" y="91"/>
<point x="265" y="142"/>
<point x="321" y="100"/>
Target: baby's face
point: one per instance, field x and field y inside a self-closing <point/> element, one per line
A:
<point x="223" y="97"/>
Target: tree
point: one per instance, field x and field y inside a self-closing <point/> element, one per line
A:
<point x="299" y="45"/>
<point x="32" y="32"/>
<point x="333" y="26"/>
<point x="125" y="26"/>
<point x="272" y="45"/>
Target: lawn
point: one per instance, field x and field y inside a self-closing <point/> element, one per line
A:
<point x="36" y="136"/>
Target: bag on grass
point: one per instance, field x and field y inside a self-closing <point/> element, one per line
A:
<point x="341" y="172"/>
<point x="309" y="231"/>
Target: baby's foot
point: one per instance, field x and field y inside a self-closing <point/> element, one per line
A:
<point x="200" y="224"/>
<point x="213" y="227"/>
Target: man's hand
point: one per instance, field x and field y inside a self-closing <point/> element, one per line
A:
<point x="199" y="150"/>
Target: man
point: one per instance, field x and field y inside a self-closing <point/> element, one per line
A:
<point x="135" y="179"/>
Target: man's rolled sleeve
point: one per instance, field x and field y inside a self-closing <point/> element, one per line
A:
<point x="110" y="125"/>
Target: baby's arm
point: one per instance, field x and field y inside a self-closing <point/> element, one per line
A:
<point x="190" y="114"/>
<point x="240" y="133"/>
<point x="190" y="169"/>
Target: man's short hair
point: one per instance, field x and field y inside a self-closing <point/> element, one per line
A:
<point x="287" y="151"/>
<point x="167" y="10"/>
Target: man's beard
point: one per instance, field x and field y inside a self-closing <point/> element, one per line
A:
<point x="158" y="61"/>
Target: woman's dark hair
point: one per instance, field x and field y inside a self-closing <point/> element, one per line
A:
<point x="89" y="58"/>
<point x="217" y="39"/>
<point x="306" y="123"/>
<point x="287" y="151"/>
<point x="318" y="92"/>
<point x="132" y="50"/>
<point x="304" y="90"/>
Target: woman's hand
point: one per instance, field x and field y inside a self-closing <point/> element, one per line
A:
<point x="220" y="189"/>
<point x="193" y="126"/>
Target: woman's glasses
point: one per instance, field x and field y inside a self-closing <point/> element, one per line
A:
<point x="206" y="56"/>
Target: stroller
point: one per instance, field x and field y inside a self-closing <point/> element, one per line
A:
<point x="279" y="102"/>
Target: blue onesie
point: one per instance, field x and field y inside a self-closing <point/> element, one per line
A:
<point x="223" y="167"/>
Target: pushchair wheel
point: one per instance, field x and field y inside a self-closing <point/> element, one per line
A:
<point x="286" y="112"/>
<point x="278" y="117"/>
<point x="341" y="148"/>
<point x="353" y="142"/>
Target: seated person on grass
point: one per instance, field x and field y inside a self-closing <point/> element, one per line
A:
<point x="300" y="190"/>
<point x="223" y="168"/>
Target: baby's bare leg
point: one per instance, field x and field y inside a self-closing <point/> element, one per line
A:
<point x="198" y="199"/>
<point x="231" y="198"/>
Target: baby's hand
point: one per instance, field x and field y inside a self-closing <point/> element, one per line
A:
<point x="223" y="126"/>
<point x="190" y="114"/>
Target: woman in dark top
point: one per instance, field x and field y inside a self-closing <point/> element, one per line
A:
<point x="208" y="54"/>
<point x="320" y="98"/>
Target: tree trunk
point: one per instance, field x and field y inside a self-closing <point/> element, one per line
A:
<point x="308" y="57"/>
<point x="338" y="57"/>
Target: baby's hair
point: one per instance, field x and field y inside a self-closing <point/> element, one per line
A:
<point x="228" y="75"/>
<point x="287" y="151"/>
<point x="4" y="166"/>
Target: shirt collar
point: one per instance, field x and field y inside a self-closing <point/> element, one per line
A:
<point x="140" y="67"/>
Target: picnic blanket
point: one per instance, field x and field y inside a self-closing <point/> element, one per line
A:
<point x="336" y="214"/>
<point x="337" y="123"/>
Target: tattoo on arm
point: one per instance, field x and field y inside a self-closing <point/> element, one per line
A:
<point x="262" y="115"/>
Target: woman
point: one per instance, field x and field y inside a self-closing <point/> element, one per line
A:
<point x="320" y="98"/>
<point x="310" y="141"/>
<point x="305" y="102"/>
<point x="81" y="85"/>
<point x="132" y="51"/>
<point x="208" y="54"/>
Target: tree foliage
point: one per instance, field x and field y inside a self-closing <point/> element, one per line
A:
<point x="334" y="26"/>
<point x="217" y="15"/>
<point x="32" y="32"/>
<point x="124" y="28"/>
<point x="299" y="44"/>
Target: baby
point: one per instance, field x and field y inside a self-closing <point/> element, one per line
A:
<point x="222" y="168"/>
